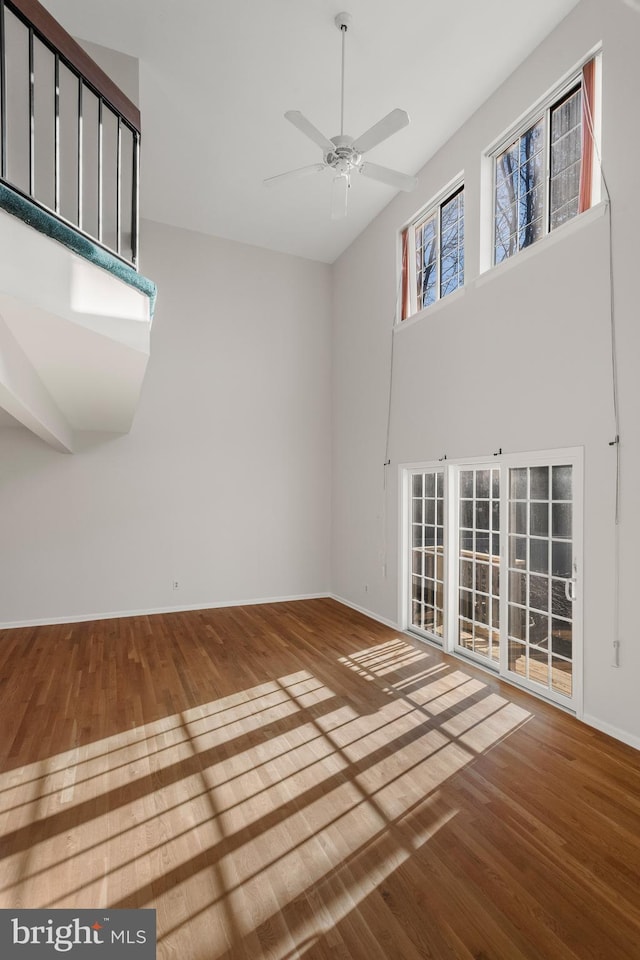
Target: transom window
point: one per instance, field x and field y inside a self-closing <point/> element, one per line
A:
<point x="543" y="177"/>
<point x="433" y="254"/>
<point x="566" y="158"/>
<point x="519" y="194"/>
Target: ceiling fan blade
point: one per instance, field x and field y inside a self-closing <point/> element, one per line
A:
<point x="384" y="128"/>
<point x="305" y="126"/>
<point x="393" y="178"/>
<point x="294" y="174"/>
<point x="339" y="192"/>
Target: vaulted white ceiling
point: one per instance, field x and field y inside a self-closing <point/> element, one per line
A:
<point x="217" y="77"/>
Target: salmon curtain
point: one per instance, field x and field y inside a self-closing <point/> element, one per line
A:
<point x="406" y="298"/>
<point x="586" y="168"/>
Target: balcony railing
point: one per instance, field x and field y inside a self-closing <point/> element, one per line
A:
<point x="69" y="137"/>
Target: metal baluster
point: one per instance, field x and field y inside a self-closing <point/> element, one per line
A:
<point x="118" y="185"/>
<point x="56" y="136"/>
<point x="32" y="124"/>
<point x="80" y="184"/>
<point x="3" y="97"/>
<point x="135" y="220"/>
<point x="100" y="169"/>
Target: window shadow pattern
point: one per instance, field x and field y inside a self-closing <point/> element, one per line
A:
<point x="326" y="811"/>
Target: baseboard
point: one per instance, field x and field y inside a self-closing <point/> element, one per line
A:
<point x="612" y="731"/>
<point x="116" y="615"/>
<point x="367" y="613"/>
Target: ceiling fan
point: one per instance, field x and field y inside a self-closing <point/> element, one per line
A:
<point x="343" y="154"/>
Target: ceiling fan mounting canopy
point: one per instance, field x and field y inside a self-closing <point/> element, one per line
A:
<point x="343" y="20"/>
<point x="344" y="155"/>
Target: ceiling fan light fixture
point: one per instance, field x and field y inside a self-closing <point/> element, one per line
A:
<point x="339" y="193"/>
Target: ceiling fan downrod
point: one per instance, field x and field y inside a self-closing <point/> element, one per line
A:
<point x="343" y="21"/>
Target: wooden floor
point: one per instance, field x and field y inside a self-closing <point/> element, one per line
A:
<point x="294" y="780"/>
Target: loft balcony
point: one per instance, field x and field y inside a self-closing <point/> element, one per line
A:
<point x="75" y="313"/>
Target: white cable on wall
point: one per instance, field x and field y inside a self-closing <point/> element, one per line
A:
<point x="387" y="461"/>
<point x="614" y="381"/>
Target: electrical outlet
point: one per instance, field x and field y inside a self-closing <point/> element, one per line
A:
<point x="176" y="585"/>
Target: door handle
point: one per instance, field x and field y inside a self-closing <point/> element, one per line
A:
<point x="570" y="589"/>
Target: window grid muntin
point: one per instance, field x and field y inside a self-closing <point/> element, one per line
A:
<point x="422" y="297"/>
<point x="428" y="269"/>
<point x="455" y="228"/>
<point x="478" y="501"/>
<point x="571" y="103"/>
<point x="427" y="505"/>
<point x="526" y="197"/>
<point x="35" y="140"/>
<point x="542" y="110"/>
<point x="558" y="666"/>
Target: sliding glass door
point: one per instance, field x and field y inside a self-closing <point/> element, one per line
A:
<point x="542" y="576"/>
<point x="493" y="565"/>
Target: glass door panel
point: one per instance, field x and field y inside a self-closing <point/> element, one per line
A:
<point x="478" y="554"/>
<point x="427" y="553"/>
<point x="497" y="583"/>
<point x="541" y="577"/>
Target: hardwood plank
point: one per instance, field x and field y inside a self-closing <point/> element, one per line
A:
<point x="296" y="780"/>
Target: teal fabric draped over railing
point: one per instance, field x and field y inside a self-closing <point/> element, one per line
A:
<point x="49" y="225"/>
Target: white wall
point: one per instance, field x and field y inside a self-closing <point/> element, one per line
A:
<point x="125" y="70"/>
<point x="223" y="483"/>
<point x="520" y="360"/>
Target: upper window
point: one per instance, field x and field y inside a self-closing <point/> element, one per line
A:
<point x="433" y="254"/>
<point x="543" y="177"/>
